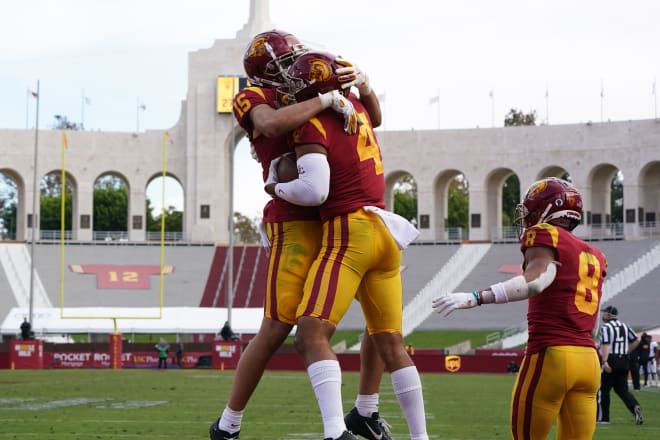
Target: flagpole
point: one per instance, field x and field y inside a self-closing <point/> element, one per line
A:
<point x="492" y="108"/>
<point x="602" y="96"/>
<point x="35" y="197"/>
<point x="547" y="106"/>
<point x="438" y="109"/>
<point x="27" y="107"/>
<point x="82" y="110"/>
<point x="655" y="100"/>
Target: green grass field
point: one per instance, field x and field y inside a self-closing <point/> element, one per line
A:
<point x="180" y="404"/>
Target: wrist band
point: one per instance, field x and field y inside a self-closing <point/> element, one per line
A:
<point x="476" y="297"/>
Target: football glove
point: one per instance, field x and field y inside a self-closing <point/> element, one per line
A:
<point x="272" y="172"/>
<point x="265" y="242"/>
<point x="339" y="103"/>
<point x="447" y="303"/>
<point x="351" y="75"/>
<point x="253" y="152"/>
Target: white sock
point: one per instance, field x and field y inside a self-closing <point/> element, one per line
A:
<point x="325" y="377"/>
<point x="230" y="420"/>
<point x="366" y="404"/>
<point x="408" y="390"/>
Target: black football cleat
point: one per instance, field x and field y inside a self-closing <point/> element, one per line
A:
<point x="639" y="419"/>
<point x="344" y="436"/>
<point x="216" y="433"/>
<point x="372" y="428"/>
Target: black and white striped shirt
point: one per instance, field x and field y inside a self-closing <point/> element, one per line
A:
<point x="618" y="335"/>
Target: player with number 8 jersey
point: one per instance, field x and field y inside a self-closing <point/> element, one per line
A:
<point x="568" y="314"/>
<point x="562" y="278"/>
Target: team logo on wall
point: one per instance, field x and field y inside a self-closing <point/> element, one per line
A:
<point x="452" y="363"/>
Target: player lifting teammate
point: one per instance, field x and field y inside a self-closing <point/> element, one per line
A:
<point x="293" y="232"/>
<point x="359" y="256"/>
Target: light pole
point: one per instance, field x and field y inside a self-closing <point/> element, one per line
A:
<point x="35" y="197"/>
<point x="142" y="107"/>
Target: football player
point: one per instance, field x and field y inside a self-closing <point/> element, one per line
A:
<point x="359" y="256"/>
<point x="562" y="280"/>
<point x="293" y="232"/>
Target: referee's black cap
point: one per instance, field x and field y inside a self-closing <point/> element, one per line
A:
<point x="611" y="310"/>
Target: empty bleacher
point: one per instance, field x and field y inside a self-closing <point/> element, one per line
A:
<point x="250" y="264"/>
<point x="200" y="279"/>
<point x="182" y="287"/>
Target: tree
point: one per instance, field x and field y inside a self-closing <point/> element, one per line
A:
<point x="8" y="219"/>
<point x="50" y="204"/>
<point x="110" y="209"/>
<point x="245" y="230"/>
<point x="405" y="198"/>
<point x="517" y="117"/>
<point x="63" y="123"/>
<point x="510" y="199"/>
<point x="458" y="203"/>
<point x="173" y="219"/>
<point x="8" y="202"/>
<point x="616" y="198"/>
<point x="51" y="213"/>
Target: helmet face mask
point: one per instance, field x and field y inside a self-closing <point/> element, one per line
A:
<point x="268" y="56"/>
<point x="312" y="73"/>
<point x="550" y="200"/>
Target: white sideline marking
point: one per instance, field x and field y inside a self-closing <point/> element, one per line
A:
<point x="57" y="404"/>
<point x="133" y="404"/>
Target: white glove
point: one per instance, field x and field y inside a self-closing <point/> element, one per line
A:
<point x="341" y="104"/>
<point x="253" y="152"/>
<point x="447" y="303"/>
<point x="272" y="172"/>
<point x="265" y="242"/>
<point x="351" y="75"/>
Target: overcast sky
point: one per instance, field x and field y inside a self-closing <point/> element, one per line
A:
<point x="129" y="53"/>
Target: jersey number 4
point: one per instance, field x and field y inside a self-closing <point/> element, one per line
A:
<point x="367" y="147"/>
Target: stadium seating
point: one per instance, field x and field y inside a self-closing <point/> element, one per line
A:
<point x="199" y="279"/>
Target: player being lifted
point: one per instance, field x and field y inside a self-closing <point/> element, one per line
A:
<point x="562" y="278"/>
<point x="294" y="232"/>
<point x="359" y="256"/>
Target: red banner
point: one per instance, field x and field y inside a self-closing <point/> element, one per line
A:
<point x="225" y="354"/>
<point x="140" y="359"/>
<point x="27" y="353"/>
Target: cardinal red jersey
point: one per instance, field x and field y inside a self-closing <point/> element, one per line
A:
<point x="356" y="167"/>
<point x="566" y="312"/>
<point x="267" y="149"/>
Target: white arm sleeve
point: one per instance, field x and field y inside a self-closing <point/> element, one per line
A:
<point x="518" y="289"/>
<point x="313" y="182"/>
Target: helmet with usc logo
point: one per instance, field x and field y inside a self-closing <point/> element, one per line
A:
<point x="550" y="200"/>
<point x="268" y="55"/>
<point x="311" y="73"/>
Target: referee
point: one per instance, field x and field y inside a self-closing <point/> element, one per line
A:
<point x="617" y="340"/>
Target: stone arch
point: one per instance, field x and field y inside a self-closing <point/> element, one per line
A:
<point x="494" y="183"/>
<point x="440" y="204"/>
<point x="169" y="179"/>
<point x="600" y="193"/>
<point x="551" y="171"/>
<point x="70" y="182"/>
<point x="391" y="179"/>
<point x="649" y="195"/>
<point x="18" y="227"/>
<point x="96" y="232"/>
